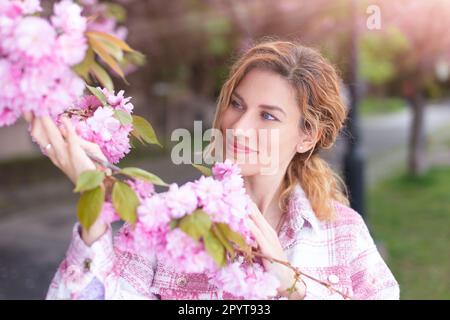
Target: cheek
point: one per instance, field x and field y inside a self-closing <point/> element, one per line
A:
<point x="226" y="121"/>
<point x="281" y="143"/>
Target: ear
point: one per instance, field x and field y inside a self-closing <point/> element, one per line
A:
<point x="307" y="141"/>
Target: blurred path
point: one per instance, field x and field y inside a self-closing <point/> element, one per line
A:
<point x="385" y="138"/>
<point x="384" y="132"/>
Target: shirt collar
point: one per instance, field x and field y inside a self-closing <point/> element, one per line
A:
<point x="300" y="210"/>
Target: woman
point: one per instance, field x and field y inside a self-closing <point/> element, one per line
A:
<point x="299" y="215"/>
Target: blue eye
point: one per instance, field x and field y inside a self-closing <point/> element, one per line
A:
<point x="268" y="116"/>
<point x="236" y="104"/>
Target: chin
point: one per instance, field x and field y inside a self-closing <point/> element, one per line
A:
<point x="248" y="170"/>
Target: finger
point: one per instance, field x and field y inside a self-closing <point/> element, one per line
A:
<point x="56" y="139"/>
<point x="71" y="136"/>
<point x="88" y="146"/>
<point x="38" y="133"/>
<point x="69" y="129"/>
<point x="73" y="140"/>
<point x="93" y="149"/>
<point x="260" y="239"/>
<point x="63" y="131"/>
<point x="260" y="221"/>
<point x="28" y="116"/>
<point x="39" y="136"/>
<point x="255" y="213"/>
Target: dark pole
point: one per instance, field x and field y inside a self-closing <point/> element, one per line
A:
<point x="354" y="158"/>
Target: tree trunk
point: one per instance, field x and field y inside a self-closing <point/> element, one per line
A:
<point x="417" y="162"/>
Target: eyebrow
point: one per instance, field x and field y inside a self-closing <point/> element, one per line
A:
<point x="265" y="106"/>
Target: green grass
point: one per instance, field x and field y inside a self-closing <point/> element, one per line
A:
<point x="412" y="218"/>
<point x="373" y="106"/>
<point x="447" y="142"/>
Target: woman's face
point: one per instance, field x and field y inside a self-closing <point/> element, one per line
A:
<point x="261" y="125"/>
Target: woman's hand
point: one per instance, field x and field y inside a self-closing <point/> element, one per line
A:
<point x="269" y="245"/>
<point x="68" y="152"/>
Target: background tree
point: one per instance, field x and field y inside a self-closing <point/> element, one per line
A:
<point x="403" y="57"/>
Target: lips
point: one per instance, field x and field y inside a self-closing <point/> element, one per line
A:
<point x="239" y="148"/>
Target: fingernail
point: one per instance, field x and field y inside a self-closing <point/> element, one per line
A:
<point x="66" y="123"/>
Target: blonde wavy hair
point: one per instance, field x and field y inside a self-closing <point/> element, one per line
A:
<point x="316" y="83"/>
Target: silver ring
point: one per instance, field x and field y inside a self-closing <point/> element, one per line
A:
<point x="48" y="146"/>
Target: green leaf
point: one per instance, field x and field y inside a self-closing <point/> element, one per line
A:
<point x="102" y="51"/>
<point x="98" y="35"/>
<point x="90" y="206"/>
<point x="123" y="116"/>
<point x="174" y="223"/>
<point x="133" y="142"/>
<point x="98" y="93"/>
<point x="225" y="242"/>
<point x="135" y="58"/>
<point x="145" y="130"/>
<point x="113" y="50"/>
<point x="102" y="76"/>
<point x="215" y="248"/>
<point x="144" y="175"/>
<point x="135" y="134"/>
<point x="204" y="170"/>
<point x="196" y="224"/>
<point x="84" y="66"/>
<point x="89" y="180"/>
<point x="116" y="11"/>
<point x="233" y="236"/>
<point x="125" y="201"/>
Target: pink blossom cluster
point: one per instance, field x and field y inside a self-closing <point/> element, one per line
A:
<point x="247" y="280"/>
<point x="142" y="188"/>
<point x="98" y="123"/>
<point x="36" y="56"/>
<point x="222" y="196"/>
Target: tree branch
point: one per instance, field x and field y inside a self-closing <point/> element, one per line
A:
<point x="299" y="273"/>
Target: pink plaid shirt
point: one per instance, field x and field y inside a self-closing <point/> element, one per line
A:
<point x="340" y="252"/>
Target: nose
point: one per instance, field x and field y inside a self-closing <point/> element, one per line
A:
<point x="243" y="129"/>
